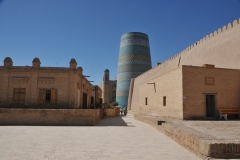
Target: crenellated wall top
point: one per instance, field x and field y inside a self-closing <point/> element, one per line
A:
<point x="226" y="28"/>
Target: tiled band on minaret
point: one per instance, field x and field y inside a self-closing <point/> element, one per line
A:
<point x="134" y="59"/>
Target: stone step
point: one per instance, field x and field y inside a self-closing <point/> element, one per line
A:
<point x="199" y="136"/>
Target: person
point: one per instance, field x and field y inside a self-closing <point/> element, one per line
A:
<point x="91" y="106"/>
<point x="121" y="111"/>
<point x="125" y="111"/>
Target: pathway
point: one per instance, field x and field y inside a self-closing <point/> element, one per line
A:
<point x="112" y="139"/>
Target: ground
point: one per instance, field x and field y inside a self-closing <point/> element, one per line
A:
<point x="113" y="138"/>
<point x="214" y="131"/>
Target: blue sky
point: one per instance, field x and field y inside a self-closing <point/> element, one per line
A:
<point x="90" y="30"/>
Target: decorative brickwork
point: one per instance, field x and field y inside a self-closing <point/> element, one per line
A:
<point x="45" y="87"/>
<point x="20" y="80"/>
<point x="46" y="80"/>
<point x="134" y="59"/>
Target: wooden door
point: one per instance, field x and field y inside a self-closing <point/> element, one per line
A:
<point x="15" y="96"/>
<point x="84" y="100"/>
<point x="42" y="96"/>
<point x="210" y="105"/>
<point x="92" y="99"/>
<point x="53" y="96"/>
<point x="100" y="102"/>
<point x="19" y="96"/>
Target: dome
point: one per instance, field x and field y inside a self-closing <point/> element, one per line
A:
<point x="79" y="68"/>
<point x="36" y="59"/>
<point x="7" y="59"/>
<point x="73" y="60"/>
<point x="106" y="70"/>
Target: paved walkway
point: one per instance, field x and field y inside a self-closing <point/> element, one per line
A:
<point x="113" y="138"/>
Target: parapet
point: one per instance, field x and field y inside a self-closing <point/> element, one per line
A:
<point x="8" y="62"/>
<point x="79" y="68"/>
<point x="225" y="28"/>
<point x="36" y="62"/>
<point x="73" y="63"/>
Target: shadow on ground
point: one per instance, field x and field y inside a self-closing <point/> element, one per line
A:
<point x="108" y="121"/>
<point x="115" y="121"/>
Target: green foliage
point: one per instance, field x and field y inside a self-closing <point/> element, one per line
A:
<point x="115" y="103"/>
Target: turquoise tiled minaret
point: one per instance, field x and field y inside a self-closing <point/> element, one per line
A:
<point x="134" y="59"/>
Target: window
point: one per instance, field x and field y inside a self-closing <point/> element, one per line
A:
<point x="146" y="101"/>
<point x="92" y="99"/>
<point x="47" y="96"/>
<point x="19" y="95"/>
<point x="164" y="101"/>
<point x="209" y="81"/>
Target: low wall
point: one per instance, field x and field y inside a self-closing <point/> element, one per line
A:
<point x="112" y="112"/>
<point x="201" y="137"/>
<point x="203" y="144"/>
<point x="86" y="117"/>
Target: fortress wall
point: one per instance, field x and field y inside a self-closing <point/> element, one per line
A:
<point x="221" y="48"/>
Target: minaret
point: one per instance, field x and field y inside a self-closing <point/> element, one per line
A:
<point x="106" y="86"/>
<point x="134" y="59"/>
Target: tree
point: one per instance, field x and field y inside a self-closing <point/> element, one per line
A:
<point x="114" y="103"/>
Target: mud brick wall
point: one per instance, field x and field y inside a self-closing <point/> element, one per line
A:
<point x="220" y="48"/>
<point x="49" y="116"/>
<point x="226" y="89"/>
<point x="203" y="145"/>
<point x="170" y="86"/>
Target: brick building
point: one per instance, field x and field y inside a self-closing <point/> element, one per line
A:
<point x="45" y="87"/>
<point x="190" y="92"/>
<point x="182" y="87"/>
<point x="108" y="88"/>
